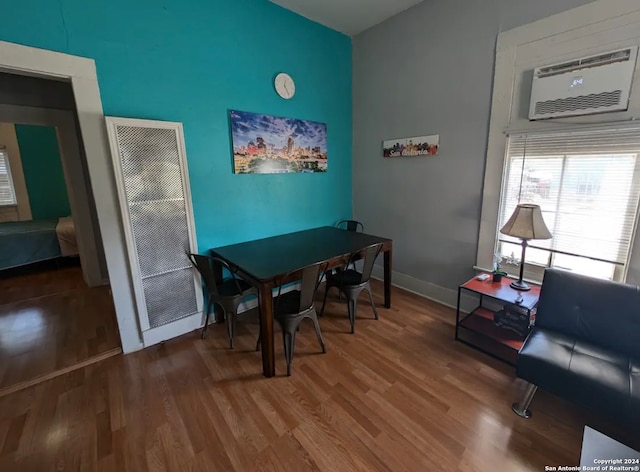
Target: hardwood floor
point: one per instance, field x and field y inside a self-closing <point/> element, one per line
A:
<point x="50" y="321"/>
<point x="398" y="395"/>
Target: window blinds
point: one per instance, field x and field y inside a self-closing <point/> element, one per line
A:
<point x="7" y="194"/>
<point x="587" y="185"/>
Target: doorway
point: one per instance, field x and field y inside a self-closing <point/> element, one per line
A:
<point x="56" y="311"/>
<point x="81" y="73"/>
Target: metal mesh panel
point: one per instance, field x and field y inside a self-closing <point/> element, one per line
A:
<point x="155" y="196"/>
<point x="170" y="297"/>
<point x="160" y="233"/>
<point x="150" y="164"/>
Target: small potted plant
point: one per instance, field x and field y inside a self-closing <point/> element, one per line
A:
<point x="498" y="273"/>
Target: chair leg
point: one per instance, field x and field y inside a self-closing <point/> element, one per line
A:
<point x="352" y="303"/>
<point x="289" y="340"/>
<point x="206" y="320"/>
<point x="324" y="300"/>
<point x="318" y="333"/>
<point x="259" y="341"/>
<point x="373" y="305"/>
<point x="522" y="408"/>
<point x="232" y="319"/>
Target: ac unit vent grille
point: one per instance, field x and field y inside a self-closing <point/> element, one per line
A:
<point x="578" y="64"/>
<point x="584" y="102"/>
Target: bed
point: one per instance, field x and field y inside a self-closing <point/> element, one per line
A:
<point x="26" y="242"/>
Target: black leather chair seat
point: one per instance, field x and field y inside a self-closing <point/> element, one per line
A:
<point x="228" y="288"/>
<point x="288" y="303"/>
<point x="347" y="277"/>
<point x="580" y="371"/>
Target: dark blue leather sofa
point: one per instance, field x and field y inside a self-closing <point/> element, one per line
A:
<point x="585" y="346"/>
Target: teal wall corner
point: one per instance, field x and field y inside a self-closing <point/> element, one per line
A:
<point x="192" y="61"/>
<point x="43" y="173"/>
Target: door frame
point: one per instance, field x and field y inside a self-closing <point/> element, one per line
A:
<point x="77" y="186"/>
<point x="81" y="72"/>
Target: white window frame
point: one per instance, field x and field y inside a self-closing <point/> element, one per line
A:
<point x="535" y="271"/>
<point x="589" y="29"/>
<point x="7" y="164"/>
<point x="21" y="211"/>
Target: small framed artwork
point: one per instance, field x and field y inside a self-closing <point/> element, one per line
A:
<point x="411" y="147"/>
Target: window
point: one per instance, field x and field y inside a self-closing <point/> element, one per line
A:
<point x="7" y="192"/>
<point x="587" y="184"/>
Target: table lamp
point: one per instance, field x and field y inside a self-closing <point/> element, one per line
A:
<point x="526" y="223"/>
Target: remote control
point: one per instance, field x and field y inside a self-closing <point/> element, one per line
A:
<point x="482" y="277"/>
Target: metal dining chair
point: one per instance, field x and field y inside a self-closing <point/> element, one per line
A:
<point x="291" y="308"/>
<point x="354" y="226"/>
<point x="350" y="225"/>
<point x="226" y="293"/>
<point x="351" y="282"/>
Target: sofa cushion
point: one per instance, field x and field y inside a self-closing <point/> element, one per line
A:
<point x="601" y="312"/>
<point x="545" y="358"/>
<point x="595" y="377"/>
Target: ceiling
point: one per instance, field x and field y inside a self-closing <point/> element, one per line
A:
<point x="347" y="16"/>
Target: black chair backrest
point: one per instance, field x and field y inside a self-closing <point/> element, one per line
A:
<point x="311" y="276"/>
<point x="370" y="254"/>
<point x="351" y="225"/>
<point x="205" y="265"/>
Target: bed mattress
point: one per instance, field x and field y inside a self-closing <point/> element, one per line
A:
<point x="25" y="242"/>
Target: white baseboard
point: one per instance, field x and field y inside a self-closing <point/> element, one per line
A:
<point x="436" y="293"/>
<point x="253" y="303"/>
<point x="196" y="321"/>
<point x="172" y="330"/>
<point x="248" y="305"/>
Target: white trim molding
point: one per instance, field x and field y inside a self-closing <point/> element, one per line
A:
<point x="196" y="321"/>
<point x="75" y="181"/>
<point x="25" y="60"/>
<point x="444" y="296"/>
<point x="601" y="26"/>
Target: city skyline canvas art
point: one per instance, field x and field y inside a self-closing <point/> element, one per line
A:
<point x="267" y="144"/>
<point x="411" y="147"/>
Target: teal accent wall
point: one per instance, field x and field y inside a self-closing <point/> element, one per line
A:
<point x="193" y="60"/>
<point x="42" y="169"/>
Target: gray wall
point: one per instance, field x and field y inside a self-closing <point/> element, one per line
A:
<point x="429" y="70"/>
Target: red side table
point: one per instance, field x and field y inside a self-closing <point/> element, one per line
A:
<point x="478" y="329"/>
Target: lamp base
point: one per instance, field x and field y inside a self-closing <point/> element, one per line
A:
<point x="520" y="285"/>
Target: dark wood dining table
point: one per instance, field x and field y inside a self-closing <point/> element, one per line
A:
<point x="264" y="263"/>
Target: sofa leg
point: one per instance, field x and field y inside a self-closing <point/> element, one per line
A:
<point x="522" y="408"/>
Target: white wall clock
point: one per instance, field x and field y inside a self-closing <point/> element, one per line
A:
<point x="285" y="86"/>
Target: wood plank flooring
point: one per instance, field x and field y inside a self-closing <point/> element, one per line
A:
<point x="49" y="321"/>
<point x="398" y="395"/>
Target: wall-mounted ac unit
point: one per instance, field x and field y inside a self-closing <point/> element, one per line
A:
<point x="595" y="84"/>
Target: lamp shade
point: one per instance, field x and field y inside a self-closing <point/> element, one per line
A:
<point x="526" y="223"/>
